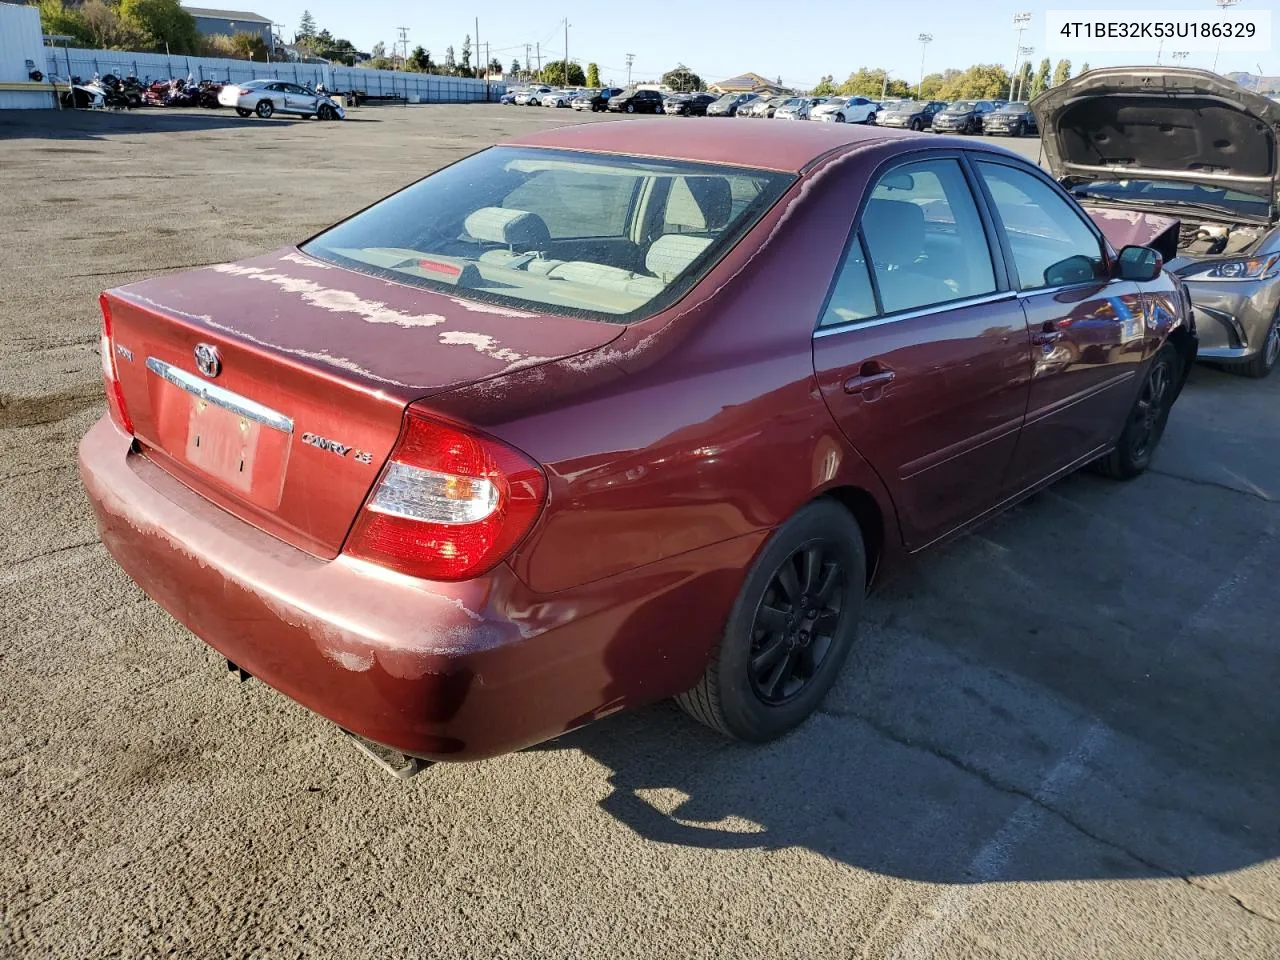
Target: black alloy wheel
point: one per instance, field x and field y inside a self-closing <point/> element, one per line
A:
<point x="796" y="622"/>
<point x="326" y="112"/>
<point x="1147" y="418"/>
<point x="790" y="629"/>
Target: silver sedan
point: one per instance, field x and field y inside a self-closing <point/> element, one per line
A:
<point x="266" y="98"/>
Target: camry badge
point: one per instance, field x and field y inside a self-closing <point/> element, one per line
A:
<point x="208" y="360"/>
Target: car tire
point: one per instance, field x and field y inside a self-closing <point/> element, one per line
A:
<point x="243" y="112"/>
<point x="839" y="118"/>
<point x="326" y="112"/>
<point x="1262" y="364"/>
<point x="631" y="108"/>
<point x="1146" y="421"/>
<point x="755" y="687"/>
<point x="265" y="109"/>
<point x="1017" y="129"/>
<point x="871" y="119"/>
<point x="915" y="125"/>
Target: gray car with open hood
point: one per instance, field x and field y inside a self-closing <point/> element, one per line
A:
<point x="1130" y="142"/>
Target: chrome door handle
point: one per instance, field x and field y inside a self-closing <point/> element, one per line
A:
<point x="868" y="381"/>
<point x="1046" y="337"/>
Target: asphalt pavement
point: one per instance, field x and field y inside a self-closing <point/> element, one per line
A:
<point x="1058" y="737"/>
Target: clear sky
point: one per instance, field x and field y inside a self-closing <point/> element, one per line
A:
<point x="798" y="41"/>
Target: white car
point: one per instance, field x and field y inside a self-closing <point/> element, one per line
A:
<point x="846" y="110"/>
<point x="266" y="98"/>
<point x="531" y="97"/>
<point x="559" y="98"/>
<point x="798" y="108"/>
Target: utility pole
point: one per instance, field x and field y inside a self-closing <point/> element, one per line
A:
<point x="925" y="39"/>
<point x="537" y="48"/>
<point x="404" y="45"/>
<point x="1020" y="21"/>
<point x="630" y="59"/>
<point x="477" y="49"/>
<point x="566" y="51"/>
<point x="526" y="57"/>
<point x="1223" y="5"/>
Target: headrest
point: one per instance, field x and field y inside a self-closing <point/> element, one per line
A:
<point x="895" y="231"/>
<point x="516" y="228"/>
<point x="671" y="253"/>
<point x="703" y="203"/>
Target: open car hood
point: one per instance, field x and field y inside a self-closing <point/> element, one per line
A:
<point x="1161" y="123"/>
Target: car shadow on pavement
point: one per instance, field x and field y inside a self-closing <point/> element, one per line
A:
<point x="1084" y="689"/>
<point x="102" y="124"/>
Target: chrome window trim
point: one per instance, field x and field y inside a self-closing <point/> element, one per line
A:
<point x="848" y="325"/>
<point x="220" y="396"/>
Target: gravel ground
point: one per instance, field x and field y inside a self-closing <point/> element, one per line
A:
<point x="1057" y="739"/>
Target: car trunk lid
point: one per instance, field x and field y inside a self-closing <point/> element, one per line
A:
<point x="315" y="365"/>
<point x="1161" y="123"/>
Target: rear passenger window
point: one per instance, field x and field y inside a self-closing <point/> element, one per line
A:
<point x="925" y="238"/>
<point x="1052" y="245"/>
<point x="853" y="298"/>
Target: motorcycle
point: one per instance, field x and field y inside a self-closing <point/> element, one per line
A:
<point x="207" y="94"/>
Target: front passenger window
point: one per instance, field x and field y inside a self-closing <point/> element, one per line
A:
<point x="1051" y="243"/>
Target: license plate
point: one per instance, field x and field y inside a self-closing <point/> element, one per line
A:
<point x="222" y="443"/>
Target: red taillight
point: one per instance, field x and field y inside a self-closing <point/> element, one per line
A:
<point x="110" y="380"/>
<point x="450" y="504"/>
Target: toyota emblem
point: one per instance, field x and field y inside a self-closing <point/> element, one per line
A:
<point x="208" y="360"/>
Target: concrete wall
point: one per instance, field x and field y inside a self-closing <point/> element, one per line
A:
<point x="20" y="41"/>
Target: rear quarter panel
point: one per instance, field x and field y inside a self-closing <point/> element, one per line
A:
<point x="699" y="425"/>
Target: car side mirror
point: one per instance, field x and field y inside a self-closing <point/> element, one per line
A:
<point x="1076" y="269"/>
<point x="1139" y="263"/>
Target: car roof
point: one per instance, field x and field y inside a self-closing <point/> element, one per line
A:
<point x="790" y="149"/>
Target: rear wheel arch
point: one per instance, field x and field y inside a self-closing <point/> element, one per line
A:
<point x="866" y="511"/>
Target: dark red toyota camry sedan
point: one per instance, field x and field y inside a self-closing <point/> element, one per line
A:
<point x="612" y="413"/>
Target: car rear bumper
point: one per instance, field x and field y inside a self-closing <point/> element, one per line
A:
<point x="444" y="671"/>
<point x="1232" y="318"/>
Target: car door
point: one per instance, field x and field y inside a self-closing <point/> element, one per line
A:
<point x="1086" y="328"/>
<point x="922" y="352"/>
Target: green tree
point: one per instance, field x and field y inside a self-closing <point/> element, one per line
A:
<point x="450" y="61"/>
<point x="420" y="59"/>
<point x="553" y="74"/>
<point x="1084" y="68"/>
<point x="593" y="75"/>
<point x="165" y="21"/>
<point x="306" y="28"/>
<point x="1041" y="83"/>
<point x="930" y="87"/>
<point x="872" y="83"/>
<point x="249" y="46"/>
<point x="56" y="18"/>
<point x="682" y="79"/>
<point x="1062" y="72"/>
<point x="111" y="31"/>
<point x="379" y="51"/>
<point x="826" y="87"/>
<point x="465" y="61"/>
<point x="515" y="68"/>
<point x="495" y="66"/>
<point x="1024" y="80"/>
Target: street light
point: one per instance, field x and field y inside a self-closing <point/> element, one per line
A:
<point x="1025" y="52"/>
<point x="925" y="39"/>
<point x="1020" y="21"/>
<point x="1223" y="5"/>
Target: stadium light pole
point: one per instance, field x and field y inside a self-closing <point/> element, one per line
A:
<point x="1223" y="5"/>
<point x="1020" y="21"/>
<point x="925" y="39"/>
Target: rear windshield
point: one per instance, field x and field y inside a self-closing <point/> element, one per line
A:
<point x="604" y="237"/>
